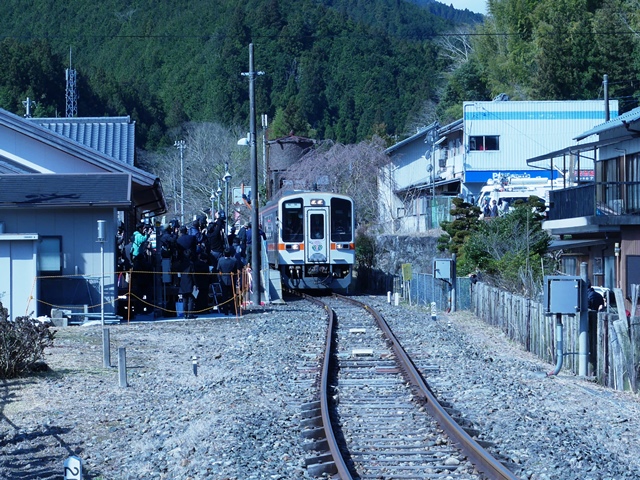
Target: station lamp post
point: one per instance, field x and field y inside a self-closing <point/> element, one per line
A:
<point x="181" y="145"/>
<point x="227" y="178"/>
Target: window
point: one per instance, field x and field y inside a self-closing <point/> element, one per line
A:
<point x="423" y="206"/>
<point x="569" y="265"/>
<point x="486" y="142"/>
<point x="316" y="229"/>
<point x="443" y="154"/>
<point x="292" y="220"/>
<point x="341" y="220"/>
<point x="410" y="208"/>
<point x="50" y="255"/>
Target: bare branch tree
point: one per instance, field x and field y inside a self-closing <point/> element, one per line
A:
<point x="455" y="47"/>
<point x="348" y="169"/>
<point x="208" y="147"/>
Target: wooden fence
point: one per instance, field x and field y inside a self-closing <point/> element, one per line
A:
<point x="614" y="341"/>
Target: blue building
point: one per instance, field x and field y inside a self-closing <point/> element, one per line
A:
<point x="492" y="139"/>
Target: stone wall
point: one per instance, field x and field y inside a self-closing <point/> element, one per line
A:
<point x="418" y="250"/>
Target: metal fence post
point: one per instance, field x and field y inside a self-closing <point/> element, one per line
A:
<point x="122" y="366"/>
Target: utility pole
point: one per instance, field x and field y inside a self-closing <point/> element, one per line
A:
<point x="265" y="169"/>
<point x="180" y="145"/>
<point x="29" y="105"/>
<point x="255" y="225"/>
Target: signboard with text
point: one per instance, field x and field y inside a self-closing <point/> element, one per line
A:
<point x="237" y="195"/>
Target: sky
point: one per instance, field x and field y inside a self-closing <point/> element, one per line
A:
<point x="478" y="6"/>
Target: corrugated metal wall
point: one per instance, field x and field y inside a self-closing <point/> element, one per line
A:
<point x="527" y="129"/>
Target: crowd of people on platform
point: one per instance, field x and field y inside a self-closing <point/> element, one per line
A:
<point x="191" y="258"/>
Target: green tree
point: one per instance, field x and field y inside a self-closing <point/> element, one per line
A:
<point x="31" y="69"/>
<point x="466" y="220"/>
<point x="559" y="49"/>
<point x="340" y="69"/>
<point x="467" y="83"/>
<point x="562" y="51"/>
<point x="509" y="249"/>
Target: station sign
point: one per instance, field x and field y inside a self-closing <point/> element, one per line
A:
<point x="237" y="193"/>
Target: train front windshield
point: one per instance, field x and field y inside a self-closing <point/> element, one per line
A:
<point x="341" y="220"/>
<point x="292" y="217"/>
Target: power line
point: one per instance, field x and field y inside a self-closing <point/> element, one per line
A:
<point x="321" y="37"/>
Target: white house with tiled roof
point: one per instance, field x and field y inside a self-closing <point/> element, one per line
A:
<point x="53" y="191"/>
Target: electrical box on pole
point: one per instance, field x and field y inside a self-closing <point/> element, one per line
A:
<point x="563" y="295"/>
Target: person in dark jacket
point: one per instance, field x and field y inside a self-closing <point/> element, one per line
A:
<point x="167" y="243"/>
<point x="187" y="242"/>
<point x="242" y="240"/>
<point x="493" y="209"/>
<point x="216" y="237"/>
<point x="227" y="269"/>
<point x="231" y="237"/>
<point x="186" y="283"/>
<point x="203" y="281"/>
<point x="595" y="300"/>
<point x="261" y="236"/>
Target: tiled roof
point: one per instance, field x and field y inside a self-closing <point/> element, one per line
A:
<point x="113" y="136"/>
<point x="146" y="188"/>
<point x="68" y="190"/>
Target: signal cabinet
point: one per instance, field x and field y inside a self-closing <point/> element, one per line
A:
<point x="443" y="268"/>
<point x="563" y="295"/>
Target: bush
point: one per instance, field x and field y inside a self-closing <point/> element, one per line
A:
<point x="22" y="344"/>
<point x="365" y="249"/>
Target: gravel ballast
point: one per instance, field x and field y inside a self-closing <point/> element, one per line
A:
<point x="240" y="417"/>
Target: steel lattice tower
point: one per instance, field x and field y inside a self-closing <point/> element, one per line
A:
<point x="71" y="93"/>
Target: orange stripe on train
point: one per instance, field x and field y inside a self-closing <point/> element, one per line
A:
<point x="283" y="246"/>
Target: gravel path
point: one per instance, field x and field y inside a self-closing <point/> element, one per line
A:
<point x="239" y="418"/>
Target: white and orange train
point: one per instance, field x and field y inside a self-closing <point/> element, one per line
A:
<point x="311" y="240"/>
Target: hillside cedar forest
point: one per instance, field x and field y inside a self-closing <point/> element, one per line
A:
<point x="339" y="71"/>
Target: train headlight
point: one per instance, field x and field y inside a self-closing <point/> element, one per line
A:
<point x="294" y="246"/>
<point x="343" y="246"/>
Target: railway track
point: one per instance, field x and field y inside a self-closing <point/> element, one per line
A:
<point x="376" y="418"/>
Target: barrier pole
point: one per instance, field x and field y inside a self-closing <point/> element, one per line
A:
<point x="129" y="296"/>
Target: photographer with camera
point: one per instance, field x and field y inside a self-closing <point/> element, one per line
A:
<point x="216" y="237"/>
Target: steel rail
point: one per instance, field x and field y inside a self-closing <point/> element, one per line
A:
<point x="476" y="454"/>
<point x="343" y="471"/>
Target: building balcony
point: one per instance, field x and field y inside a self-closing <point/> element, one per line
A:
<point x="598" y="206"/>
<point x="572" y="202"/>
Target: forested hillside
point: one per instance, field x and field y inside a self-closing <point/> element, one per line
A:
<point x="551" y="50"/>
<point x="333" y="69"/>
